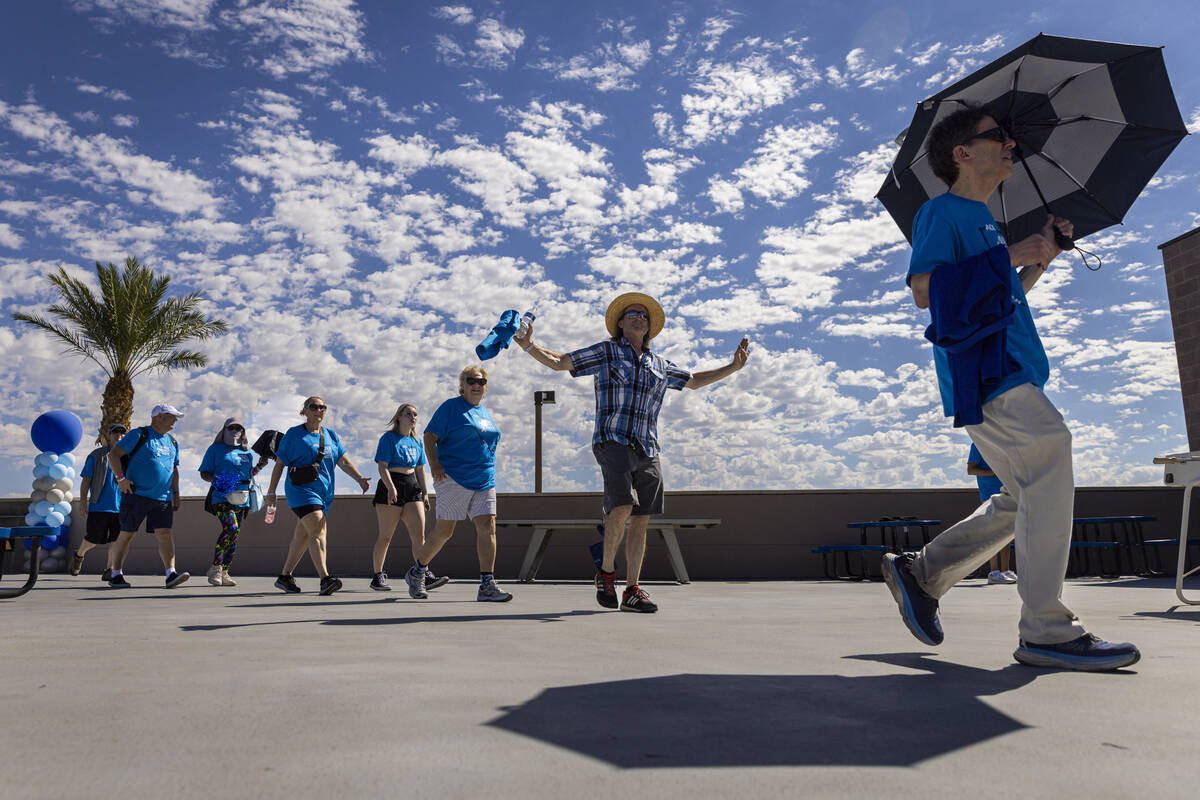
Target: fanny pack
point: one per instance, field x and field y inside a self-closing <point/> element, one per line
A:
<point x="308" y="472"/>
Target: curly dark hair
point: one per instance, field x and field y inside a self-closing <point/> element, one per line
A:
<point x="949" y="133"/>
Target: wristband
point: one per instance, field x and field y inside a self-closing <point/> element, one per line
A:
<point x="528" y="346"/>
<point x="120" y="477"/>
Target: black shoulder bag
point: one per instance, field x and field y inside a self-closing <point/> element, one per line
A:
<point x="309" y="472"/>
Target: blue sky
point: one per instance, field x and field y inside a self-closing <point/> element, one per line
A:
<point x="359" y="188"/>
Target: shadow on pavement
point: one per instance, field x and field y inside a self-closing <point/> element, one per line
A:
<point x="532" y="617"/>
<point x="775" y="720"/>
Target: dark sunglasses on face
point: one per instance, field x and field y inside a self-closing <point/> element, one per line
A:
<point x="118" y="431"/>
<point x="236" y="429"/>
<point x="996" y="134"/>
<point x="316" y="407"/>
<point x="476" y="381"/>
<point x="638" y="314"/>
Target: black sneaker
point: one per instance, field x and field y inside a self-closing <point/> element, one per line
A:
<point x="329" y="585"/>
<point x="119" y="582"/>
<point x="106" y="576"/>
<point x="1088" y="653"/>
<point x="434" y="581"/>
<point x="606" y="589"/>
<point x="175" y="578"/>
<point x="379" y="582"/>
<point x="287" y="583"/>
<point x="76" y="563"/>
<point x="918" y="610"/>
<point x="634" y="599"/>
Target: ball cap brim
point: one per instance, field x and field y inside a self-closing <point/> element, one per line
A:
<point x="616" y="307"/>
<point x="165" y="408"/>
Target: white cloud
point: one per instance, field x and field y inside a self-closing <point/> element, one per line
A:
<point x="724" y="95"/>
<point x="714" y="29"/>
<point x="868" y="74"/>
<point x="497" y="44"/>
<point x="458" y="15"/>
<point x="301" y="35"/>
<point x="1193" y="124"/>
<point x="9" y="238"/>
<point x="111" y="94"/>
<point x="187" y="14"/>
<point x="610" y="65"/>
<point x="778" y="170"/>
<point x="124" y="120"/>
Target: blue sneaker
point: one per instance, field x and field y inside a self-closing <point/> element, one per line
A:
<point x="918" y="610"/>
<point x="1088" y="653"/>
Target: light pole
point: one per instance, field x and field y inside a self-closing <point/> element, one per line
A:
<point x="538" y="399"/>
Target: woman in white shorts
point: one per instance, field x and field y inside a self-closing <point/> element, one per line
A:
<point x="460" y="446"/>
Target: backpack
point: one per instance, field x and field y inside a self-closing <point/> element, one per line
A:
<point x="145" y="434"/>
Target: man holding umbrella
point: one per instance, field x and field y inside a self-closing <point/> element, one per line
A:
<point x="991" y="369"/>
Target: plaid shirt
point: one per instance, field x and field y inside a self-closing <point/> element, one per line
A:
<point x="629" y="391"/>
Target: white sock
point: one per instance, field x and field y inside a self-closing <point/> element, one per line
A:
<point x="116" y="572"/>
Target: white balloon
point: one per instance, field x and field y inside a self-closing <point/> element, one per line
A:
<point x="68" y="496"/>
<point x="36" y="497"/>
<point x="64" y="483"/>
<point x="54" y="496"/>
<point x="44" y="483"/>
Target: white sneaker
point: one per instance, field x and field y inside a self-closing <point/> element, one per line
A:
<point x="1012" y="576"/>
<point x="226" y="580"/>
<point x="996" y="576"/>
<point x="214" y="576"/>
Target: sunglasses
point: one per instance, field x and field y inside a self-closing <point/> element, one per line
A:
<point x="638" y="314"/>
<point x="236" y="429"/>
<point x="315" y="407"/>
<point x="476" y="381"/>
<point x="117" y="430"/>
<point x="996" y="134"/>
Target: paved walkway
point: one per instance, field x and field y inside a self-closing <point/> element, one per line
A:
<point x="772" y="689"/>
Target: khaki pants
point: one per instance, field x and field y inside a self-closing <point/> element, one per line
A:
<point x="1025" y="441"/>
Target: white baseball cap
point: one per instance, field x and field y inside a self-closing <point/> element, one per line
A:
<point x="164" y="408"/>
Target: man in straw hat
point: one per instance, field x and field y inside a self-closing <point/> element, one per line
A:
<point x="631" y="382"/>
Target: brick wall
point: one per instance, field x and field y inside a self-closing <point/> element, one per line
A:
<point x="1181" y="267"/>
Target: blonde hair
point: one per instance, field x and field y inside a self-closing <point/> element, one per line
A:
<point x="394" y="422"/>
<point x="462" y="376"/>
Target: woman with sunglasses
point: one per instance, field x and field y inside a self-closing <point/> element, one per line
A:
<point x="401" y="493"/>
<point x="228" y="464"/>
<point x="460" y="443"/>
<point x="310" y="452"/>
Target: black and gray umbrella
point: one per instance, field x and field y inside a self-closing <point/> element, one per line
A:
<point x="1093" y="121"/>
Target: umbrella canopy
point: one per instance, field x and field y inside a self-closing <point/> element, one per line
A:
<point x="1093" y="121"/>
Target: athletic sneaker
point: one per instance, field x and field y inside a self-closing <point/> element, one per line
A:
<point x="379" y="582"/>
<point x="918" y="610"/>
<point x="287" y="583"/>
<point x="996" y="576"/>
<point x="175" y="578"/>
<point x="106" y="576"/>
<point x="1088" y="653"/>
<point x="76" y="563"/>
<point x="329" y="585"/>
<point x="1012" y="576"/>
<point x="434" y="581"/>
<point x="119" y="582"/>
<point x="634" y="599"/>
<point x="226" y="580"/>
<point x="606" y="589"/>
<point x="489" y="591"/>
<point x="214" y="576"/>
<point x="416" y="583"/>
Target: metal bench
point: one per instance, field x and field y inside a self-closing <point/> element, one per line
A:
<point x="14" y="535"/>
<point x="895" y="535"/>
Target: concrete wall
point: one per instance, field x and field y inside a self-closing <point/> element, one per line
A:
<point x="763" y="534"/>
<point x="1181" y="268"/>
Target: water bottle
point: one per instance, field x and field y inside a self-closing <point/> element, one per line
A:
<point x="270" y="517"/>
<point x="526" y="321"/>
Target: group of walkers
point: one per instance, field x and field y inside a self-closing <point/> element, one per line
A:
<point x="134" y="479"/>
<point x="991" y="370"/>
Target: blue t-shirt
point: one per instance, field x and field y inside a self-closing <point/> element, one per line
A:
<point x="950" y="229"/>
<point x="219" y="458"/>
<point x="988" y="484"/>
<point x="109" y="499"/>
<point x="467" y="440"/>
<point x="153" y="465"/>
<point x="400" y="452"/>
<point x="298" y="448"/>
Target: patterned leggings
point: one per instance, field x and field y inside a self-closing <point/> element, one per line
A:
<point x="229" y="516"/>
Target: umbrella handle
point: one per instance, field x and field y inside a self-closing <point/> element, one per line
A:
<point x="1063" y="242"/>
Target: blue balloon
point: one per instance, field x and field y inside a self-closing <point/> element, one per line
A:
<point x="54" y="519"/>
<point x="57" y="471"/>
<point x="57" y="431"/>
<point x="46" y="459"/>
<point x="41" y="508"/>
<point x="68" y="459"/>
<point x="41" y="471"/>
<point x="32" y="519"/>
<point x="63" y="508"/>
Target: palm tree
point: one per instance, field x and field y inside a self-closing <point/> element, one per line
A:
<point x="128" y="330"/>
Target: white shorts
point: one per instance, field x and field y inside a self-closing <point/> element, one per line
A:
<point x="455" y="502"/>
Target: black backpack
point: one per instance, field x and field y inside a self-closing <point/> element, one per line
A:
<point x="145" y="434"/>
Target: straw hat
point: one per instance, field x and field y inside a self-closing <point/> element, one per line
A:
<point x="657" y="317"/>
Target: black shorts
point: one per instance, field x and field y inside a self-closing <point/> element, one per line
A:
<point x="303" y="511"/>
<point x="156" y="513"/>
<point x="630" y="478"/>
<point x="103" y="527"/>
<point x="407" y="490"/>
